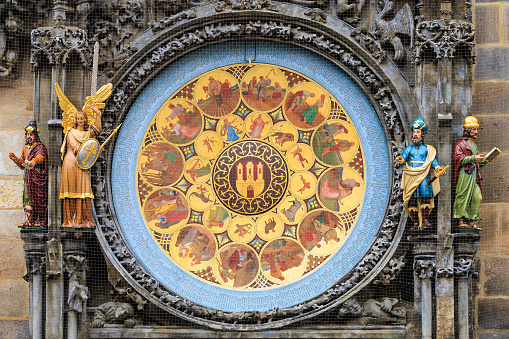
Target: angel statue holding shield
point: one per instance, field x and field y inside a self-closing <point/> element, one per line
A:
<point x="79" y="126"/>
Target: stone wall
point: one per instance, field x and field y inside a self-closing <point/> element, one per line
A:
<point x="490" y="105"/>
<point x="15" y="113"/>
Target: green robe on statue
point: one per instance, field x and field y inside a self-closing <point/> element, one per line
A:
<point x="468" y="191"/>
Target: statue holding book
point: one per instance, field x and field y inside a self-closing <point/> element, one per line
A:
<point x="467" y="180"/>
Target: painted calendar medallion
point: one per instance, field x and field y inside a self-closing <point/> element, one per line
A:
<point x="250" y="177"/>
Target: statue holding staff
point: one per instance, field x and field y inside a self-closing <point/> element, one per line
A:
<point x="418" y="192"/>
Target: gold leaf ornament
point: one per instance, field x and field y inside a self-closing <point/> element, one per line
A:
<point x="69" y="111"/>
<point x="99" y="98"/>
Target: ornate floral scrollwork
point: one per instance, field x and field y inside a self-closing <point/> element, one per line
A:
<point x="242" y="5"/>
<point x="444" y="38"/>
<point x="316" y="14"/>
<point x="172" y="20"/>
<point x="462" y="266"/>
<point x="425" y="268"/>
<point x="57" y="44"/>
<point x="390" y="271"/>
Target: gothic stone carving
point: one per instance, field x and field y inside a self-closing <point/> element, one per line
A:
<point x="425" y="268"/>
<point x="443" y="39"/>
<point x="383" y="32"/>
<point x="241" y="5"/>
<point x="143" y="68"/>
<point x="57" y="43"/>
<point x="390" y="271"/>
<point x="114" y="312"/>
<point x="462" y="266"/>
<point x="374" y="311"/>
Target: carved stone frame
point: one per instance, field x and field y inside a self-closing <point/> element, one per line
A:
<point x="383" y="85"/>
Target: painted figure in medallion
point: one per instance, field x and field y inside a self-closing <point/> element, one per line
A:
<point x="317" y="227"/>
<point x="237" y="263"/>
<point x="181" y="124"/>
<point x="34" y="161"/>
<point x="467" y="180"/>
<point x="337" y="188"/>
<point x="167" y="207"/>
<point x="281" y="256"/>
<point x="161" y="163"/>
<point x="420" y="161"/>
<point x="195" y="243"/>
<point x="79" y="126"/>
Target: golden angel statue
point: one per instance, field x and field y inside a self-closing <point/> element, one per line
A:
<point x="79" y="126"/>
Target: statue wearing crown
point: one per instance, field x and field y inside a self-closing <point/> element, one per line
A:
<point x="419" y="189"/>
<point x="79" y="128"/>
<point x="34" y="161"/>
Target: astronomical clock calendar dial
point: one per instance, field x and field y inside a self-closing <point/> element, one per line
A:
<point x="250" y="177"/>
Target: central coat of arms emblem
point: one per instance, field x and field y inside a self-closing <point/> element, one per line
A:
<point x="250" y="177"/>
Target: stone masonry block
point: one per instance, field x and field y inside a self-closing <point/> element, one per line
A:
<point x="11" y="193"/>
<point x="14" y="297"/>
<point x="492" y="133"/>
<point x="15" y="120"/>
<point x="487" y="1"/>
<point x="14" y="329"/>
<point x="10" y="219"/>
<point x="489" y="223"/>
<point x="490" y="98"/>
<point x="12" y="261"/>
<point x="505" y="23"/>
<point x="10" y="141"/>
<point x="496" y="277"/>
<point x="18" y="98"/>
<point x="492" y="314"/>
<point x="493" y="334"/>
<point x="491" y="63"/>
<point x="495" y="180"/>
<point x="487" y="24"/>
<point x="504" y="229"/>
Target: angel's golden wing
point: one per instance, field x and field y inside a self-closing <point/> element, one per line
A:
<point x="69" y="111"/>
<point x="99" y="98"/>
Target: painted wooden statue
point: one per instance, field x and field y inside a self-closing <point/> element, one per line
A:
<point x="79" y="126"/>
<point x="34" y="161"/>
<point x="418" y="187"/>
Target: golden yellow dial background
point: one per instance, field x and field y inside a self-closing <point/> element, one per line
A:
<point x="325" y="176"/>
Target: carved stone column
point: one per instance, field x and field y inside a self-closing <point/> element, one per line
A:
<point x="54" y="289"/>
<point x="75" y="265"/>
<point x="424" y="270"/>
<point x="466" y="246"/>
<point x="35" y="257"/>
